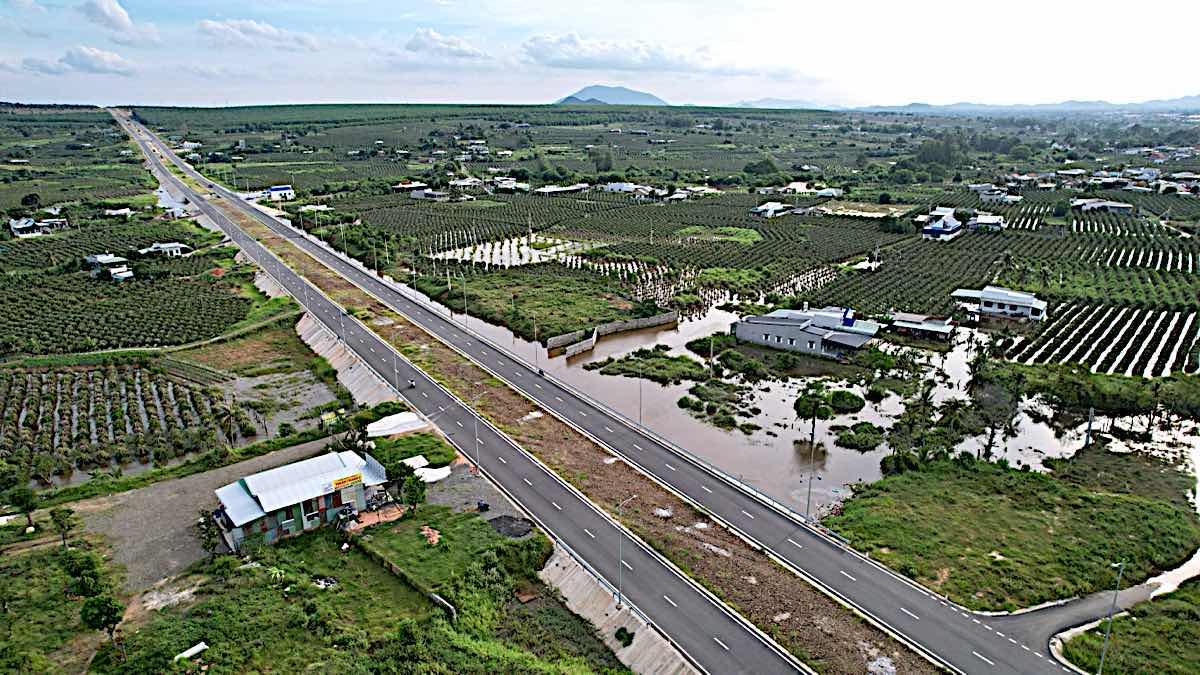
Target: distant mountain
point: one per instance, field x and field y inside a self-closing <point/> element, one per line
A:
<point x="1185" y="103"/>
<point x="575" y="100"/>
<point x="598" y="93"/>
<point x="786" y="104"/>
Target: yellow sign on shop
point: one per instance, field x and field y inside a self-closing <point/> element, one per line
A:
<point x="347" y="481"/>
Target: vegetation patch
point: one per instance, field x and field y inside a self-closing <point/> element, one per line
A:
<point x="739" y="235"/>
<point x="862" y="436"/>
<point x="652" y="363"/>
<point x="1158" y="636"/>
<point x="995" y="538"/>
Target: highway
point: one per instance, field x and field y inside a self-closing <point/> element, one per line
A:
<point x="955" y="638"/>
<point x="704" y="629"/>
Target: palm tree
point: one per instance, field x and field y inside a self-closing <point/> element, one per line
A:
<point x="226" y="421"/>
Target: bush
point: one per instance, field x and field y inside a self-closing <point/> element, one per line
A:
<point x="846" y="401"/>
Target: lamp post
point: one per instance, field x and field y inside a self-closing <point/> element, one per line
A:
<point x="620" y="549"/>
<point x="475" y="421"/>
<point x="1108" y="631"/>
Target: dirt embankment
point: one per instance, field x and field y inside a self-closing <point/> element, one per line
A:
<point x="816" y="629"/>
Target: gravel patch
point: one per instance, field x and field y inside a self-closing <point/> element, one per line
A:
<point x="149" y="529"/>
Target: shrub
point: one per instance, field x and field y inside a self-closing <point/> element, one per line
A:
<point x="846" y="401"/>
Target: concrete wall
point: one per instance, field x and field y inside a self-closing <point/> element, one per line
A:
<point x="611" y="327"/>
<point x="364" y="385"/>
<point x="586" y="596"/>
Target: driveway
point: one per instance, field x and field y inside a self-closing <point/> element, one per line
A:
<point x="149" y="529"/>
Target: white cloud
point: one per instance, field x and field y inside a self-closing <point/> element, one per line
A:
<point x="91" y="60"/>
<point x="81" y="59"/>
<point x="251" y="33"/>
<point x="572" y="51"/>
<point x="429" y="41"/>
<point x="113" y="17"/>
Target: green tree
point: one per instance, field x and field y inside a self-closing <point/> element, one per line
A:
<point x="208" y="534"/>
<point x="64" y="521"/>
<point x="813" y="404"/>
<point x="31" y="200"/>
<point x="103" y="612"/>
<point x="25" y="501"/>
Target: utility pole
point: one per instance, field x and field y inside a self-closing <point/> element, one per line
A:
<point x="812" y="465"/>
<point x="1091" y="415"/>
<point x="1108" y="631"/>
<point x="620" y="549"/>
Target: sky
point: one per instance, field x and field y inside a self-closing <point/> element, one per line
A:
<point x="869" y="52"/>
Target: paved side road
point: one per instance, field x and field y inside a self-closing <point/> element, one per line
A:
<point x="151" y="527"/>
<point x="718" y="640"/>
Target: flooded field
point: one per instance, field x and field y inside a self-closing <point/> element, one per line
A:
<point x="769" y="458"/>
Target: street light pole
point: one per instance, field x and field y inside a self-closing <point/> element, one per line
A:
<point x="620" y="549"/>
<point x="640" y="367"/>
<point x="475" y="421"/>
<point x="1108" y="631"/>
<point x="812" y="464"/>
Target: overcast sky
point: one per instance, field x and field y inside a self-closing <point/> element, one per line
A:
<point x="214" y="52"/>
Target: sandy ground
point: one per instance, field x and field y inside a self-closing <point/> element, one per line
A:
<point x="149" y="529"/>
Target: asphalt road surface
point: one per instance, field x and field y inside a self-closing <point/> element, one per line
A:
<point x="956" y="638"/>
<point x="715" y="638"/>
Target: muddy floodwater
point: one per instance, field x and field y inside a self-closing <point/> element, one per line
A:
<point x="768" y="458"/>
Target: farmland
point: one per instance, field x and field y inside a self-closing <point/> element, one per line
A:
<point x="57" y="421"/>
<point x="65" y="154"/>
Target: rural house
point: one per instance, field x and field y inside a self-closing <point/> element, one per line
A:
<point x="296" y="497"/>
<point x="831" y="331"/>
<point x="280" y="193"/>
<point x="771" y="210"/>
<point x="1000" y="302"/>
<point x="922" y="326"/>
<point x="172" y="249"/>
<point x="940" y="224"/>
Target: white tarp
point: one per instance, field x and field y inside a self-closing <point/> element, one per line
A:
<point x="432" y="475"/>
<point x="395" y="424"/>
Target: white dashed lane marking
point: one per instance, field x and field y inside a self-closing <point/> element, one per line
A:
<point x="705" y="488"/>
<point x="588" y="533"/>
<point x="670" y="601"/>
<point x="627" y="565"/>
<point x="718" y="641"/>
<point x="910" y="614"/>
<point x="983" y="658"/>
<point x="793" y="543"/>
<point x="847" y="575"/>
<point x="502" y="460"/>
<point x="527" y="482"/>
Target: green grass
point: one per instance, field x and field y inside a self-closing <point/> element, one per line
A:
<point x="549" y="299"/>
<point x="1159" y="636"/>
<point x="41" y="617"/>
<point x="1000" y="539"/>
<point x="464" y="537"/>
<point x="740" y="235"/>
<point x="252" y="624"/>
<point x="653" y="364"/>
<point x="436" y="450"/>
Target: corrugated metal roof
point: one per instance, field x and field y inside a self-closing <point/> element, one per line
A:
<point x="266" y="491"/>
<point x="239" y="505"/>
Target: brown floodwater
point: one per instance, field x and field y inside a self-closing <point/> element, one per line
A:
<point x="769" y="458"/>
